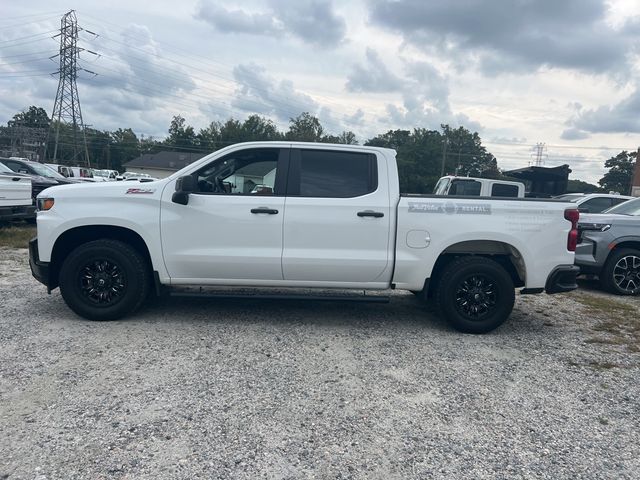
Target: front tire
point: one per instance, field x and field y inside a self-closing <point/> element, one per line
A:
<point x="621" y="273"/>
<point x="104" y="280"/>
<point x="475" y="294"/>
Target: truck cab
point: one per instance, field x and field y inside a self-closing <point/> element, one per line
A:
<point x="478" y="187"/>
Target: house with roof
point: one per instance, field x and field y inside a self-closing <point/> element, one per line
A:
<point x="161" y="164"/>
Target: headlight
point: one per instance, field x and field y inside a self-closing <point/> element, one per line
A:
<point x="44" y="204"/>
<point x="598" y="227"/>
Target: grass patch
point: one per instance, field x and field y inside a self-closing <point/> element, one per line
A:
<point x="619" y="323"/>
<point x="16" y="236"/>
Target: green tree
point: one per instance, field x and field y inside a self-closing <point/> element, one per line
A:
<point x="466" y="155"/>
<point x="305" y="128"/>
<point x="620" y="174"/>
<point x="35" y="117"/>
<point x="150" y="145"/>
<point x="578" y="186"/>
<point x="123" y="146"/>
<point x="209" y="138"/>
<point x="181" y="136"/>
<point x="230" y="132"/>
<point x="346" y="138"/>
<point x="420" y="155"/>
<point x="257" y="128"/>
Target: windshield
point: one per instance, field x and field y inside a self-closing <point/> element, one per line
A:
<point x="5" y="169"/>
<point x="631" y="207"/>
<point x="45" y="171"/>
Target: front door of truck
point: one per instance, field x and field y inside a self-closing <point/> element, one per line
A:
<point x="231" y="228"/>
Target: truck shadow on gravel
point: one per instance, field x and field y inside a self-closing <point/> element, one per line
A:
<point x="404" y="312"/>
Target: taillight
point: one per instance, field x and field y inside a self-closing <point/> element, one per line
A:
<point x="573" y="216"/>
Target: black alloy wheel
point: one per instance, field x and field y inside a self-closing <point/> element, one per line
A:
<point x="475" y="294"/>
<point x="105" y="280"/>
<point x="476" y="297"/>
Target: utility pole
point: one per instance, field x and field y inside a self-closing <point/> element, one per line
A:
<point x="66" y="109"/>
<point x="445" y="142"/>
<point x="635" y="183"/>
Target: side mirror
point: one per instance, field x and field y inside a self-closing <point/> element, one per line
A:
<point x="583" y="210"/>
<point x="184" y="186"/>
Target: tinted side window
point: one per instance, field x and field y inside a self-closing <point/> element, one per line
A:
<point x="465" y="187"/>
<point x="618" y="201"/>
<point x="502" y="190"/>
<point x="596" y="205"/>
<point x="337" y="174"/>
<point x="12" y="165"/>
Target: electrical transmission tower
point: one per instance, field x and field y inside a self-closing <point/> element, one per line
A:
<point x="539" y="152"/>
<point x="66" y="119"/>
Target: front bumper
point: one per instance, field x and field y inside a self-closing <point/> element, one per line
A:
<point x="562" y="279"/>
<point x="41" y="271"/>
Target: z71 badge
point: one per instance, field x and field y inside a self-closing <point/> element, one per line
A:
<point x="140" y="190"/>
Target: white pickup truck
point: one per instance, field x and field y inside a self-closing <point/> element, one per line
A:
<point x="299" y="215"/>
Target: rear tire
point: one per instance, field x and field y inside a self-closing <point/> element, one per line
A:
<point x="475" y="294"/>
<point x="104" y="280"/>
<point x="621" y="272"/>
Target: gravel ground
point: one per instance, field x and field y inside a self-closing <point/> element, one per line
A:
<point x="201" y="388"/>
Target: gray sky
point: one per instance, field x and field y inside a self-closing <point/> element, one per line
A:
<point x="517" y="71"/>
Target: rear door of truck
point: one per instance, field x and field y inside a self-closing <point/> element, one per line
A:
<point x="337" y="217"/>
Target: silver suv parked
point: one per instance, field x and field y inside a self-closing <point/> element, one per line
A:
<point x="609" y="246"/>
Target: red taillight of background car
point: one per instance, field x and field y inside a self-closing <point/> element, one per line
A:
<point x="573" y="215"/>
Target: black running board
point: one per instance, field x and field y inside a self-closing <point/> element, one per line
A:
<point x="269" y="295"/>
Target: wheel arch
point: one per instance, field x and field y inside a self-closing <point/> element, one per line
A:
<point x="74" y="237"/>
<point x="632" y="242"/>
<point x="508" y="256"/>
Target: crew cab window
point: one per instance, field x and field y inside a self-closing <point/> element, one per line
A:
<point x="324" y="173"/>
<point x="246" y="172"/>
<point x="504" y="190"/>
<point x="465" y="187"/>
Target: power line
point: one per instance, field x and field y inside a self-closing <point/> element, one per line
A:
<point x="27" y="36"/>
<point x="184" y="53"/>
<point x="22" y="24"/>
<point x="25" y="61"/>
<point x="279" y="97"/>
<point x="28" y="54"/>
